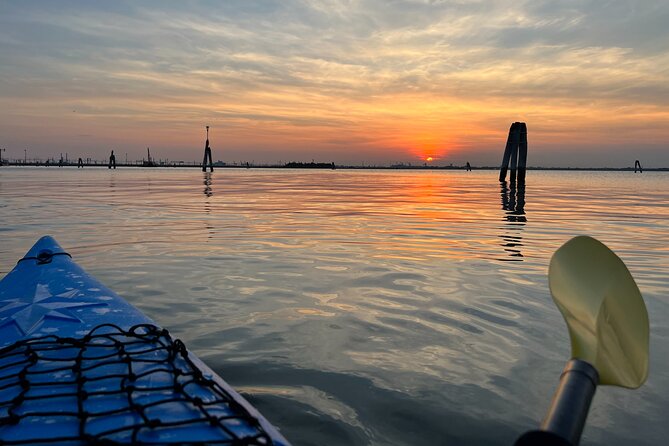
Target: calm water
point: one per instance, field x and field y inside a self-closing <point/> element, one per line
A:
<point x="371" y="307"/>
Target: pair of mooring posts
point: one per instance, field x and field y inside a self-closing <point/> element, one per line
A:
<point x="207" y="155"/>
<point x="515" y="154"/>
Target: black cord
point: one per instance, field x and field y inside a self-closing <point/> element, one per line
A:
<point x="114" y="364"/>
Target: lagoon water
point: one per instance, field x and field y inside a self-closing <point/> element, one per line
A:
<point x="364" y="307"/>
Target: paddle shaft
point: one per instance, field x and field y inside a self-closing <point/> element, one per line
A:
<point x="564" y="422"/>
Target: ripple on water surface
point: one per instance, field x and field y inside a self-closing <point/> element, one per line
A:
<point x="364" y="307"/>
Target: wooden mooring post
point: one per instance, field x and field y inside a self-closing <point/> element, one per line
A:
<point x="207" y="154"/>
<point x="515" y="154"/>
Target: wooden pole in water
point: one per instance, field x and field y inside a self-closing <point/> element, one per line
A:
<point x="522" y="153"/>
<point x="207" y="155"/>
<point x="513" y="165"/>
<point x="511" y="148"/>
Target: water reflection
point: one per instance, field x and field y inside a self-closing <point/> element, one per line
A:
<point x="513" y="203"/>
<point x="208" y="192"/>
<point x="360" y="291"/>
<point x="207" y="184"/>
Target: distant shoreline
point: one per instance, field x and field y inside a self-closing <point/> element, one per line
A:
<point x="323" y="166"/>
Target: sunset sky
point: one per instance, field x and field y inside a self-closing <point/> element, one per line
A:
<point x="349" y="81"/>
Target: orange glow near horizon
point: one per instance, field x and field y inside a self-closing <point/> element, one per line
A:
<point x="288" y="126"/>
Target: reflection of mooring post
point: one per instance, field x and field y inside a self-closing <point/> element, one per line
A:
<point x="207" y="153"/>
<point x="515" y="153"/>
<point x="637" y="164"/>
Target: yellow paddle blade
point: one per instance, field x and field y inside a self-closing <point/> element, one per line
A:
<point x="604" y="310"/>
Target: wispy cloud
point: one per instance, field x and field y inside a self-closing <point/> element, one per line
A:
<point x="365" y="79"/>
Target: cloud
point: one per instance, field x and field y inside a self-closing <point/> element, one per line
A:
<point x="386" y="74"/>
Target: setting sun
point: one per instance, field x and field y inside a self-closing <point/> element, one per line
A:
<point x="429" y="158"/>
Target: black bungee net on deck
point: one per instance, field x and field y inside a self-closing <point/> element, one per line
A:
<point x="114" y="386"/>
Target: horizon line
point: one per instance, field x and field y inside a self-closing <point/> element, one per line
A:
<point x="312" y="165"/>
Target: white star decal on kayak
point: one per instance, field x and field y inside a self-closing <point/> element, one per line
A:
<point x="28" y="314"/>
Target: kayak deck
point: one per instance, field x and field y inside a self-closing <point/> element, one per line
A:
<point x="79" y="365"/>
